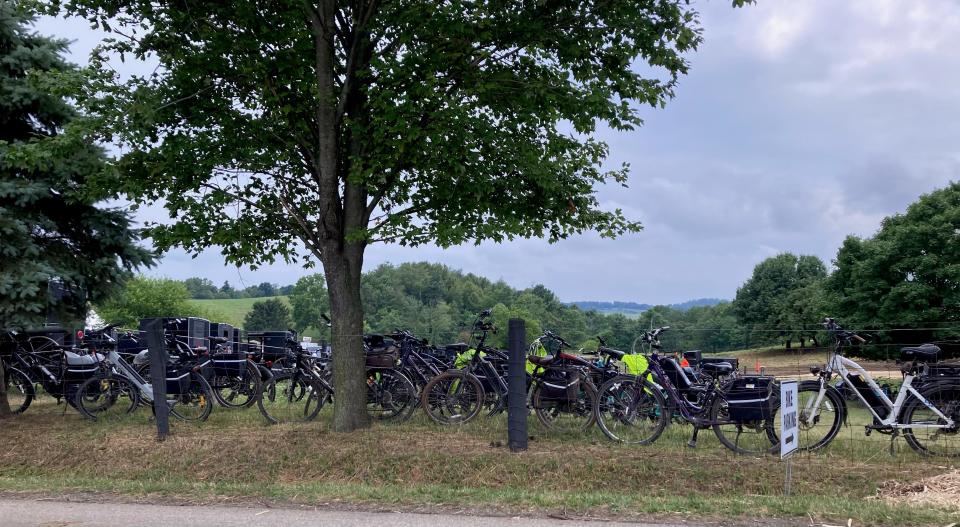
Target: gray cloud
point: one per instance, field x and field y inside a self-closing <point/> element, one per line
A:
<point x="801" y="122"/>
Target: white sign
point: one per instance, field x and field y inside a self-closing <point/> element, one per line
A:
<point x="307" y="339"/>
<point x="789" y="431"/>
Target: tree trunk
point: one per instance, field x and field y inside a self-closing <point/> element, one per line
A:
<point x="4" y="403"/>
<point x="343" y="271"/>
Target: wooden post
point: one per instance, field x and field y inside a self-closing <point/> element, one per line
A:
<point x="158" y="375"/>
<point x="517" y="387"/>
<point x="5" y="411"/>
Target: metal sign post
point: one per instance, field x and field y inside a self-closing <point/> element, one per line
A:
<point x="789" y="430"/>
<point x="158" y="375"/>
<point x="517" y="387"/>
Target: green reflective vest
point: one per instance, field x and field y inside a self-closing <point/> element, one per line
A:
<point x="538" y="350"/>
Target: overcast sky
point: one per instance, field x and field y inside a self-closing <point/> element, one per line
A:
<point x="800" y="122"/>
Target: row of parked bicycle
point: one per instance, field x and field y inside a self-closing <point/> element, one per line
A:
<point x="631" y="397"/>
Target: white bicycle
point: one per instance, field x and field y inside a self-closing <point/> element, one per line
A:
<point x="926" y="410"/>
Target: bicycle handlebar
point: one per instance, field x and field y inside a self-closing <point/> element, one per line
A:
<point x="841" y="334"/>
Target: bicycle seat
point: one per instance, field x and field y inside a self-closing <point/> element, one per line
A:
<point x="541" y="361"/>
<point x="717" y="368"/>
<point x="75" y="359"/>
<point x="922" y="353"/>
<point x="616" y="354"/>
<point x="218" y="340"/>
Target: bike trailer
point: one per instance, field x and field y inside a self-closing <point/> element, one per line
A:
<point x="750" y="398"/>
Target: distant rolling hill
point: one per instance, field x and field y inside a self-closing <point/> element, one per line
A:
<point x="635" y="309"/>
<point x="233" y="310"/>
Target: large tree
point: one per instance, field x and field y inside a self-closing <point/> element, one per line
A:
<point x="908" y="274"/>
<point x="309" y="302"/>
<point x="308" y="130"/>
<point x="771" y="301"/>
<point x="145" y="297"/>
<point x="52" y="233"/>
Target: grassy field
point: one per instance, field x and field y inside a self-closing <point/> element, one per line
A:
<point x="235" y="457"/>
<point x="233" y="310"/>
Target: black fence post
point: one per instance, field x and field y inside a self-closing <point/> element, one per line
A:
<point x="517" y="387"/>
<point x="158" y="375"/>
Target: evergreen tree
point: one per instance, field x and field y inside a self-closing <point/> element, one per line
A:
<point x="51" y="230"/>
<point x="268" y="315"/>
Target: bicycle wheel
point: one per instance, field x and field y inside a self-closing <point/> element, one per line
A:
<point x="565" y="410"/>
<point x="744" y="437"/>
<point x="292" y="400"/>
<point x="20" y="390"/>
<point x="631" y="410"/>
<point x="817" y="426"/>
<point x="106" y="398"/>
<point x="494" y="401"/>
<point x="196" y="403"/>
<point x="238" y="391"/>
<point x="921" y="436"/>
<point x="453" y="398"/>
<point x="390" y="395"/>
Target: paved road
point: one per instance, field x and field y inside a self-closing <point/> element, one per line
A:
<point x="45" y="513"/>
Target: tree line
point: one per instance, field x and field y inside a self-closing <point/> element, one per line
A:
<point x="902" y="284"/>
<point x="205" y="289"/>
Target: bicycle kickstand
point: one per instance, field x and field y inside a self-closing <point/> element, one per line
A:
<point x="693" y="438"/>
<point x="893" y="439"/>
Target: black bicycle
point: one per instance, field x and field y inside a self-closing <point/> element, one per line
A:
<point x="459" y="394"/>
<point x="562" y="391"/>
<point x="741" y="411"/>
<point x="31" y="361"/>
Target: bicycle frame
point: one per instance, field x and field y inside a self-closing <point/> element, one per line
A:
<point x="688" y="410"/>
<point x="121" y="367"/>
<point x="843" y="366"/>
<point x="412" y="360"/>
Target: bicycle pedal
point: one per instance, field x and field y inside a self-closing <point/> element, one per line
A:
<point x="692" y="443"/>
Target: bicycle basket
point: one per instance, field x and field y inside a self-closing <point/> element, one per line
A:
<point x="942" y="370"/>
<point x="558" y="384"/>
<point x="383" y="358"/>
<point x="750" y="399"/>
<point x="178" y="381"/>
<point x="80" y="367"/>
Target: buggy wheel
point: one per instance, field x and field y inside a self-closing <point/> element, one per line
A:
<point x="238" y="391"/>
<point x="631" y="410"/>
<point x="19" y="389"/>
<point x="453" y="397"/>
<point x="106" y="397"/>
<point x="194" y="405"/>
<point x="562" y="413"/>
<point x="390" y="395"/>
<point x="754" y="438"/>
